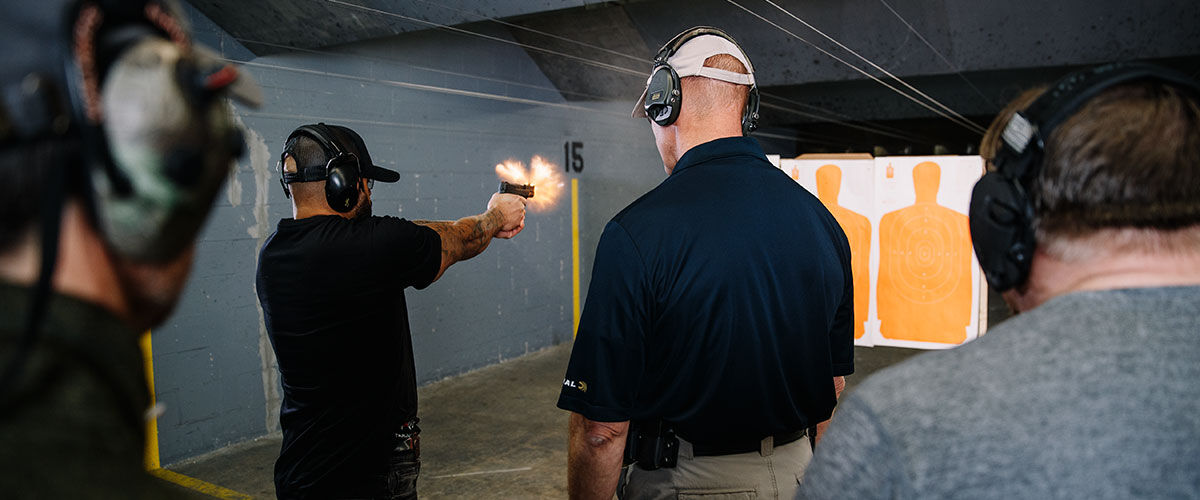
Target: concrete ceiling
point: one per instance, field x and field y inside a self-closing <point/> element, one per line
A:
<point x="269" y="26"/>
<point x="970" y="55"/>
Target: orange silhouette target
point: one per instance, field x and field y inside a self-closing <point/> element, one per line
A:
<point x="924" y="288"/>
<point x="858" y="231"/>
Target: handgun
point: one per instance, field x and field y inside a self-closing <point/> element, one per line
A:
<point x="523" y="190"/>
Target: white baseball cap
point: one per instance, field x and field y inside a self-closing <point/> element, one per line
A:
<point x="689" y="59"/>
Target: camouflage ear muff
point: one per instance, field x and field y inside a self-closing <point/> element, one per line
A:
<point x="158" y="139"/>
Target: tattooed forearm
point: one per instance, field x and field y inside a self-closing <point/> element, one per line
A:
<point x="464" y="238"/>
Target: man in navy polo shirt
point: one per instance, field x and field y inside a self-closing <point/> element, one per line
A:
<point x="719" y="319"/>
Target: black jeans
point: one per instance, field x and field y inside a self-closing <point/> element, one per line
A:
<point x="403" y="468"/>
<point x="404" y="463"/>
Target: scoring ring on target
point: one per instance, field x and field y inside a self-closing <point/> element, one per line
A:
<point x="927" y="246"/>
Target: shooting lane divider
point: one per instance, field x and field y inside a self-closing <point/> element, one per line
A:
<point x="575" y="255"/>
<point x="151" y="457"/>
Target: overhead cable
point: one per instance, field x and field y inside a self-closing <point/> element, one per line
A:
<point x="952" y="66"/>
<point x="874" y="128"/>
<point x="881" y="129"/>
<point x="960" y="118"/>
<point x="584" y="60"/>
<point x="536" y="31"/>
<point x="532" y="47"/>
<point x="419" y="67"/>
<point x="636" y="58"/>
<point x="423" y="126"/>
<point x="427" y="88"/>
<point x="592" y="62"/>
<point x="856" y="68"/>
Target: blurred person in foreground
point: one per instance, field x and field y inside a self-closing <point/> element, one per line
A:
<point x="115" y="137"/>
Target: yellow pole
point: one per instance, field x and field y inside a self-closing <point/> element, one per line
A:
<point x="575" y="253"/>
<point x="151" y="455"/>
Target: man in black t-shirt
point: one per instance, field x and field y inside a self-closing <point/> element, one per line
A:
<point x="331" y="283"/>
<point x="719" y="319"/>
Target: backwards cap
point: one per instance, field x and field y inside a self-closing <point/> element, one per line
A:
<point x="689" y="59"/>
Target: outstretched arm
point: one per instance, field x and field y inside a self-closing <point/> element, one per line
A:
<point x="469" y="236"/>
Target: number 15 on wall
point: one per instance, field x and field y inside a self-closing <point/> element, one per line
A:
<point x="573" y="156"/>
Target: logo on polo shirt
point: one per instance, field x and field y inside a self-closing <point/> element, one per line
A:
<point x="580" y="385"/>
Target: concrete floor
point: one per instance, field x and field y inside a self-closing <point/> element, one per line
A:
<point x="491" y="433"/>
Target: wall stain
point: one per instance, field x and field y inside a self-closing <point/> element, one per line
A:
<point x="233" y="189"/>
<point x="233" y="186"/>
<point x="260" y="163"/>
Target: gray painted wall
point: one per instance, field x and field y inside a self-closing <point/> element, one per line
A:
<point x="214" y="371"/>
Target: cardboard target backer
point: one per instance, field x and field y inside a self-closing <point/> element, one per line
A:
<point x="916" y="281"/>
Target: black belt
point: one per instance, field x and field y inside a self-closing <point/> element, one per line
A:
<point x="709" y="450"/>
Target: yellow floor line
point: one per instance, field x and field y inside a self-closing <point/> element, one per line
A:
<point x="192" y="483"/>
<point x="151" y="458"/>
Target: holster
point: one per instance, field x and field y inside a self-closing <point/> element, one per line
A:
<point x="651" y="445"/>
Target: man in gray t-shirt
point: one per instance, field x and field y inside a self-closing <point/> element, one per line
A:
<point x="1093" y="392"/>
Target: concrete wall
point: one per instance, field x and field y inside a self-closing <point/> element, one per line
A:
<point x="214" y="370"/>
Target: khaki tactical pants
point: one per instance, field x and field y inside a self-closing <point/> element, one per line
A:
<point x="768" y="473"/>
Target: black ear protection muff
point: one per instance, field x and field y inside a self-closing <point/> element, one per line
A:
<point x="341" y="172"/>
<point x="750" y="114"/>
<point x="664" y="95"/>
<point x="1002" y="211"/>
<point x="157" y="140"/>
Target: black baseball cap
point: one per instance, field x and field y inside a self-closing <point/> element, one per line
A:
<point x="349" y="141"/>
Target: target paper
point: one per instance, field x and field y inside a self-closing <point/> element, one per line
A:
<point x="916" y="280"/>
<point x="927" y="280"/>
